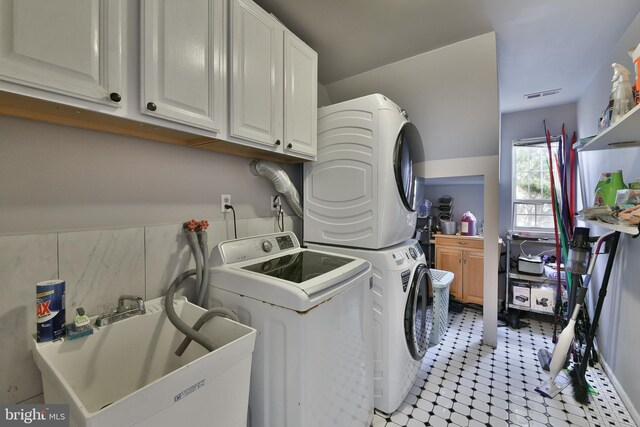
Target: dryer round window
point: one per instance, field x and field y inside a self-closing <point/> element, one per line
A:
<point x="406" y="150"/>
<point x="418" y="314"/>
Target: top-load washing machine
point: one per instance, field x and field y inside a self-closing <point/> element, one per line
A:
<point x="402" y="317"/>
<point x="313" y="358"/>
<point x="360" y="190"/>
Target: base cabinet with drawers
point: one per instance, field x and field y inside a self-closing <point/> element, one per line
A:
<point x="464" y="256"/>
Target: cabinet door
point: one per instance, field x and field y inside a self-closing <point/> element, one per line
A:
<point x="183" y="61"/>
<point x="451" y="260"/>
<point x="70" y="47"/>
<point x="300" y="96"/>
<point x="473" y="277"/>
<point x="256" y="75"/>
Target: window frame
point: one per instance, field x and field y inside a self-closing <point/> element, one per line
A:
<point x="542" y="142"/>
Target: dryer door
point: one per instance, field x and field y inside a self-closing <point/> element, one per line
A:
<point x="408" y="150"/>
<point x="418" y="314"/>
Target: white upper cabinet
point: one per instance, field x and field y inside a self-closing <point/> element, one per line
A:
<point x="69" y="47"/>
<point x="256" y="75"/>
<point x="184" y="61"/>
<point x="273" y="86"/>
<point x="300" y="96"/>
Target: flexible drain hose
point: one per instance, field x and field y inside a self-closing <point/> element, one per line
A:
<point x="197" y="256"/>
<point x="218" y="311"/>
<point x="281" y="182"/>
<point x="204" y="280"/>
<point x="191" y="333"/>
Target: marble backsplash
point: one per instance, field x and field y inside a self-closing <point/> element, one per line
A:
<point x="98" y="266"/>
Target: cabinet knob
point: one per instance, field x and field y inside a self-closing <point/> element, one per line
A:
<point x="115" y="97"/>
<point x="151" y="106"/>
<point x="289" y="145"/>
<point x="462" y="243"/>
<point x="277" y="142"/>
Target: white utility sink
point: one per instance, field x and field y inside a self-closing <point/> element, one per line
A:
<point x="127" y="373"/>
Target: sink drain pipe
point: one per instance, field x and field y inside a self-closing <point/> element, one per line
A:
<point x="281" y="182"/>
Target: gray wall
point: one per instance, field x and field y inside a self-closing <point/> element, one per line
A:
<point x="451" y="95"/>
<point x="58" y="178"/>
<point x="618" y="332"/>
<point x="467" y="197"/>
<point x="527" y="124"/>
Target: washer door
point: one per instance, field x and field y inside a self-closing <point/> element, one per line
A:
<point x="408" y="149"/>
<point x="418" y="314"/>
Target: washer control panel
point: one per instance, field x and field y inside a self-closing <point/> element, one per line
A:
<point x="249" y="248"/>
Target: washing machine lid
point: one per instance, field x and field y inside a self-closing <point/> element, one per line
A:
<point x="298" y="280"/>
<point x="407" y="151"/>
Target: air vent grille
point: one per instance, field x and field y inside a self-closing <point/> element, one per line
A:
<point x="542" y="94"/>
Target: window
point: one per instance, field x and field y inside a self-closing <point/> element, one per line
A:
<point x="531" y="186"/>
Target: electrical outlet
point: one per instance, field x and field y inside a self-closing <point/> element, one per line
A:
<point x="274" y="202"/>
<point x="225" y="199"/>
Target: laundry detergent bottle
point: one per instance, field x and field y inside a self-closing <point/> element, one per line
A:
<point x="617" y="183"/>
<point x="468" y="224"/>
<point x="601" y="187"/>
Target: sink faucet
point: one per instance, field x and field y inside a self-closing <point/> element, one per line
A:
<point x="122" y="312"/>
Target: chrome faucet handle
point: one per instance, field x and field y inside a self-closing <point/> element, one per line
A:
<point x="137" y="299"/>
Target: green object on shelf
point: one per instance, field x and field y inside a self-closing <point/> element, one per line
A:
<point x="611" y="190"/>
<point x="603" y="183"/>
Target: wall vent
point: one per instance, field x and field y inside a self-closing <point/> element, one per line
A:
<point x="542" y="94"/>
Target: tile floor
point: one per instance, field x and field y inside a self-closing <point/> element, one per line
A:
<point x="464" y="383"/>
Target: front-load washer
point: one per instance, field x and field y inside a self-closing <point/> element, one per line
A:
<point x="360" y="190"/>
<point x="402" y="317"/>
<point x="313" y="357"/>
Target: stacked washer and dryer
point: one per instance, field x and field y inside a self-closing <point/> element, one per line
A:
<point x="358" y="201"/>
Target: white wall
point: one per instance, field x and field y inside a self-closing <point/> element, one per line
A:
<point x="618" y="330"/>
<point x="451" y="95"/>
<point x="527" y="124"/>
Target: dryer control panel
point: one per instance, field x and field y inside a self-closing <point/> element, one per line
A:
<point x="255" y="247"/>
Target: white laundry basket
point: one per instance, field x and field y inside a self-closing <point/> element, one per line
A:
<point x="441" y="281"/>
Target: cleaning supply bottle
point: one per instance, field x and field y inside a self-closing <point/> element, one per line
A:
<point x="621" y="93"/>
<point x="617" y="183"/>
<point x="424" y="208"/>
<point x="603" y="183"/>
<point x="468" y="224"/>
<point x="635" y="56"/>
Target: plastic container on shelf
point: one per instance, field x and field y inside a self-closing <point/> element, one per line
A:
<point x="635" y="56"/>
<point x="603" y="183"/>
<point x="441" y="281"/>
<point x="424" y="209"/>
<point x="617" y="183"/>
<point x="468" y="224"/>
<point x="621" y="98"/>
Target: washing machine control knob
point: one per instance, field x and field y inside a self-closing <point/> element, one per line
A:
<point x="267" y="246"/>
<point x="413" y="253"/>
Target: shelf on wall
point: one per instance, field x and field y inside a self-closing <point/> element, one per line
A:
<point x="629" y="229"/>
<point x="624" y="133"/>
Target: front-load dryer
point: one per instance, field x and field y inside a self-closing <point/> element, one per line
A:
<point x="360" y="190"/>
<point x="402" y="317"/>
<point x="313" y="358"/>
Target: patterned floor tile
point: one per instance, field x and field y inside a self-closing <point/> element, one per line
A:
<point x="465" y="383"/>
